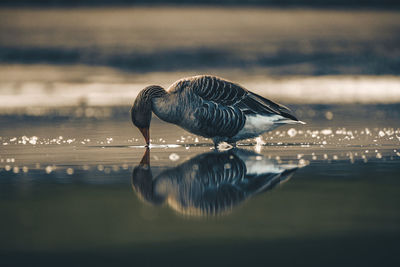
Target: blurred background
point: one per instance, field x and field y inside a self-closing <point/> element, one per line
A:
<point x="56" y="55"/>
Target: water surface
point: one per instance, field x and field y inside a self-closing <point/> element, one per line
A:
<point x="69" y="195"/>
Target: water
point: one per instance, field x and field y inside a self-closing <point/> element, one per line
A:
<point x="271" y="41"/>
<point x="71" y="194"/>
<point x="77" y="186"/>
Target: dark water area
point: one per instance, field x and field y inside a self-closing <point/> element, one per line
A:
<point x="327" y="213"/>
<point x="85" y="192"/>
<point x="279" y="62"/>
<point x="279" y="41"/>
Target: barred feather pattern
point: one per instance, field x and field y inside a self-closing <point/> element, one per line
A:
<point x="224" y="105"/>
<point x="220" y="91"/>
<point x="216" y="184"/>
<point x="150" y="92"/>
<point x="225" y="120"/>
<point x="226" y="168"/>
<point x="211" y="107"/>
<point x="224" y="92"/>
<point x="209" y="184"/>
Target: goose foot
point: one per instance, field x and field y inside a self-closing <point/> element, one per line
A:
<point x="224" y="146"/>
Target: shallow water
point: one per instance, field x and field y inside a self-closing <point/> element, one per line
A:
<point x="77" y="187"/>
<point x="325" y="193"/>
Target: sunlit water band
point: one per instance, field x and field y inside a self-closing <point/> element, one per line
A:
<point x="31" y="96"/>
<point x="302" y="147"/>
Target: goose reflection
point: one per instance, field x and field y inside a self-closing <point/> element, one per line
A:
<point x="211" y="183"/>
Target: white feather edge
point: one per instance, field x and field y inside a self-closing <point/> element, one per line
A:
<point x="259" y="124"/>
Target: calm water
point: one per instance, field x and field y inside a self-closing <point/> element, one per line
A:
<point x="325" y="193"/>
<point x="77" y="187"/>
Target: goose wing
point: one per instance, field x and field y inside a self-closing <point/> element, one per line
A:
<point x="230" y="94"/>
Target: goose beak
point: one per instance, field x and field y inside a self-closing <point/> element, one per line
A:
<point x="146" y="135"/>
<point x="146" y="158"/>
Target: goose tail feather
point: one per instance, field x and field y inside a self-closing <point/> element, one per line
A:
<point x="290" y="121"/>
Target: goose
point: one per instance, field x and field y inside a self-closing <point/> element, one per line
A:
<point x="211" y="107"/>
<point x="211" y="183"/>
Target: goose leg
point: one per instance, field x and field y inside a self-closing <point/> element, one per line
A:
<point x="216" y="141"/>
<point x="215" y="145"/>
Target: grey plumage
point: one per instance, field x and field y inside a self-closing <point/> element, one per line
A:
<point x="216" y="108"/>
<point x="210" y="183"/>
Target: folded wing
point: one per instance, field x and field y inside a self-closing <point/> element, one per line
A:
<point x="229" y="94"/>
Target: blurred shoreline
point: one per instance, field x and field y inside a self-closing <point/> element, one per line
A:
<point x="52" y="86"/>
<point x="282" y="41"/>
<point x="100" y="58"/>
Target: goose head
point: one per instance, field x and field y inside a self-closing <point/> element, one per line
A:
<point x="142" y="181"/>
<point x="142" y="108"/>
